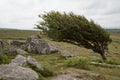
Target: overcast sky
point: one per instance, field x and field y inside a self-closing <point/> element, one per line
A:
<point x="23" y="14"/>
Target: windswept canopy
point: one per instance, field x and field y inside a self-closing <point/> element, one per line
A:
<point x="75" y="29"/>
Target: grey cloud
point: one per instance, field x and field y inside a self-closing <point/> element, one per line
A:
<point x="115" y="10"/>
<point x="19" y="13"/>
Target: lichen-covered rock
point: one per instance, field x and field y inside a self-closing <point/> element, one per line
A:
<point x="13" y="72"/>
<point x="33" y="62"/>
<point x="19" y="60"/>
<point x="37" y="45"/>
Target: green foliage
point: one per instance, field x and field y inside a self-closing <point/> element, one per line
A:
<point x="80" y="62"/>
<point x="75" y="29"/>
<point x="4" y="59"/>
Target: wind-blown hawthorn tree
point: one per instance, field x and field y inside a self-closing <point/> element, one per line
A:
<point x="75" y="29"/>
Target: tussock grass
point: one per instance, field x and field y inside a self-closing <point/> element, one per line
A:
<point x="80" y="62"/>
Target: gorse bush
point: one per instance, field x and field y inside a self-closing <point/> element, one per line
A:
<point x="79" y="62"/>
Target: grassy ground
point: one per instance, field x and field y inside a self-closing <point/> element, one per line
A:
<point x="16" y="34"/>
<point x="56" y="63"/>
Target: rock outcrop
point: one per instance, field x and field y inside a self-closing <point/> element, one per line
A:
<point x="33" y="44"/>
<point x="36" y="45"/>
<point x="13" y="72"/>
<point x="16" y="69"/>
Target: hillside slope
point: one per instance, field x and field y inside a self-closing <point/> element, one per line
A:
<point x="57" y="64"/>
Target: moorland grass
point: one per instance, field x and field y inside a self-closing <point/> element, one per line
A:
<point x="55" y="63"/>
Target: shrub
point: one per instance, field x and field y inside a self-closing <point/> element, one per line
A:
<point x="81" y="62"/>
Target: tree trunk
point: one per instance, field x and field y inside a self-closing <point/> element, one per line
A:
<point x="103" y="56"/>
